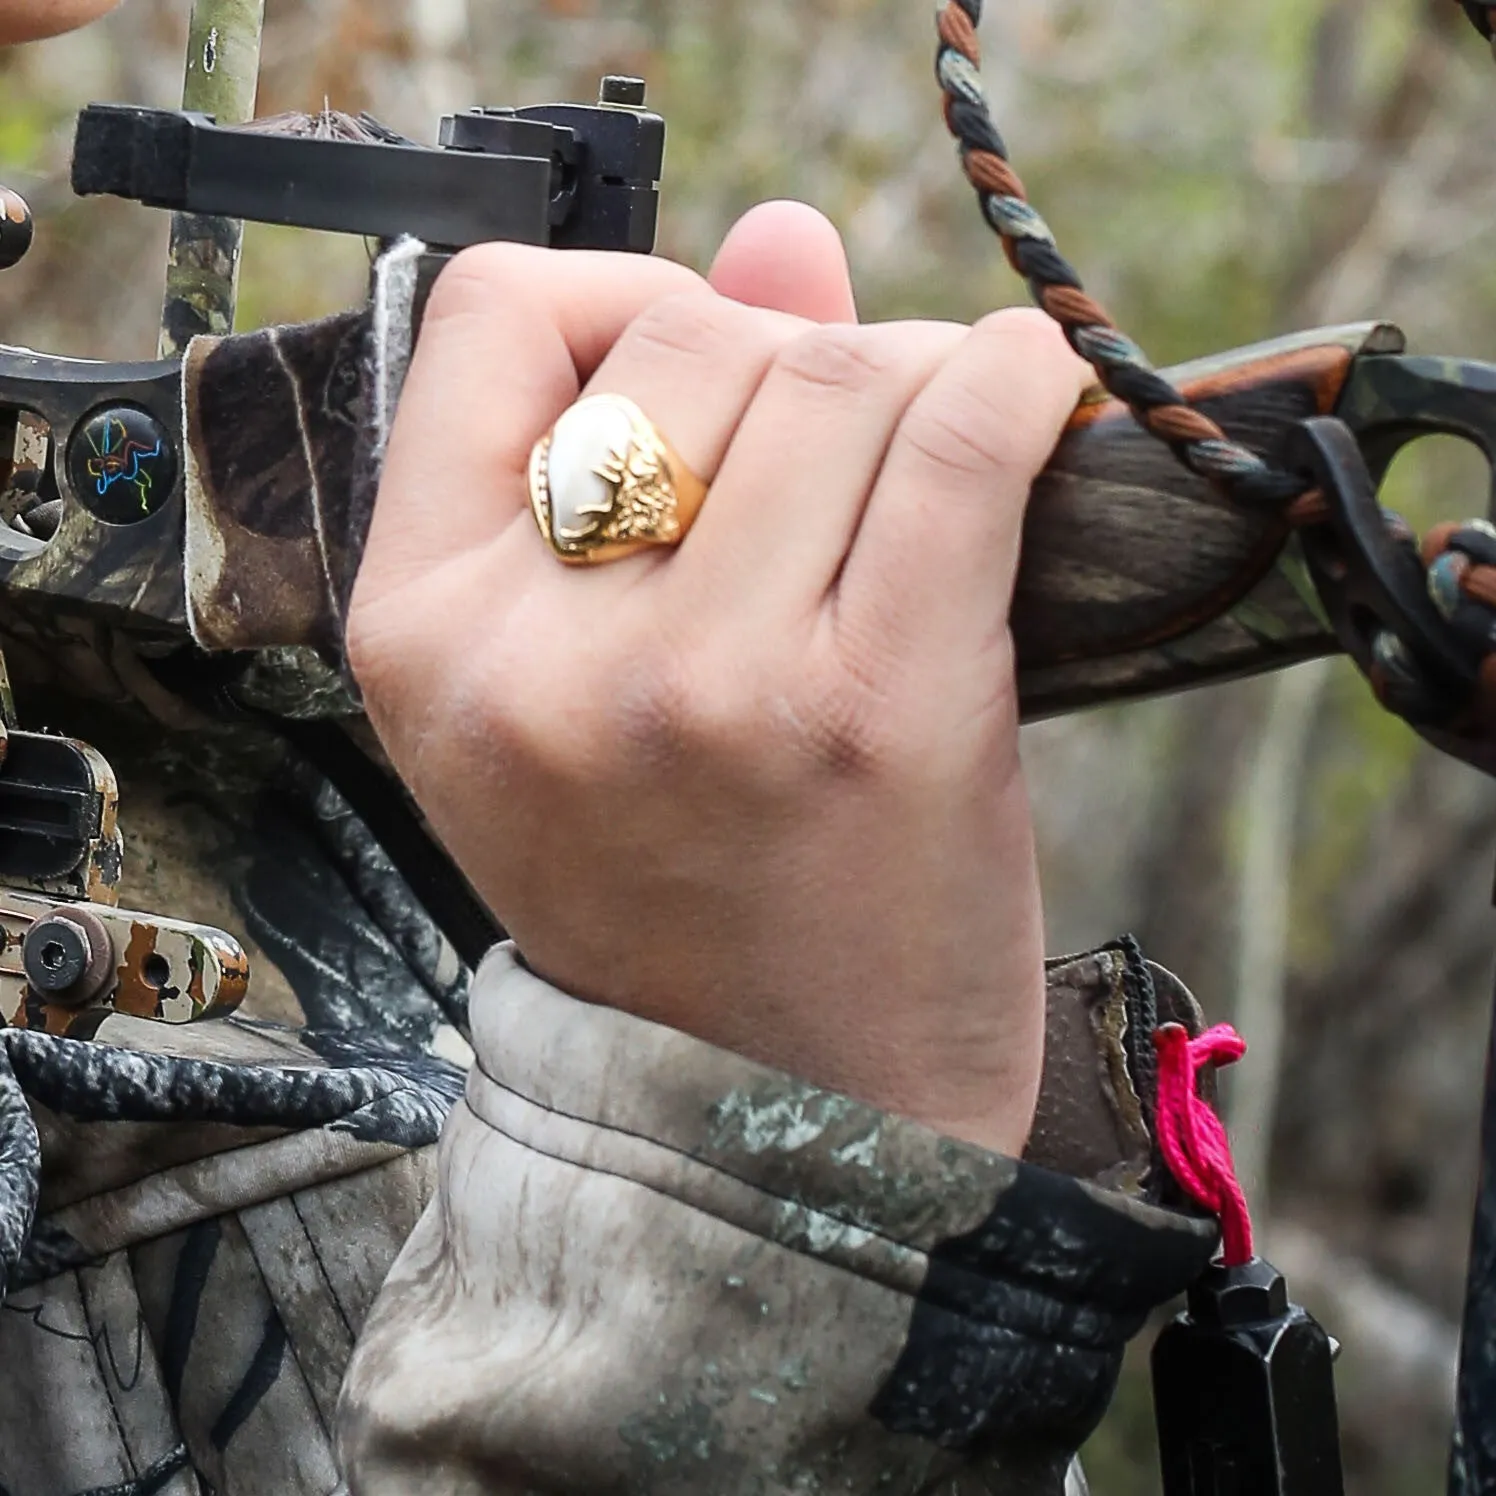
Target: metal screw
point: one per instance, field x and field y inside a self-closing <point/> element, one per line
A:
<point x="627" y="93"/>
<point x="56" y="954"/>
<point x="67" y="956"/>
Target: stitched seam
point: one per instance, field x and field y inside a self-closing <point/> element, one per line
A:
<point x="332" y="1292"/>
<point x="639" y="1137"/>
<point x="290" y="1342"/>
<point x="114" y="1413"/>
<point x="1167" y="1216"/>
<point x="126" y="1244"/>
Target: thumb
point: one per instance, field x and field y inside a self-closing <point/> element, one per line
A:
<point x="786" y="257"/>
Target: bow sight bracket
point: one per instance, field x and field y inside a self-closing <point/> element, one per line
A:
<point x="563" y="175"/>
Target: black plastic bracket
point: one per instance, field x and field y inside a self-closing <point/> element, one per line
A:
<point x="560" y="175"/>
<point x="1371" y="581"/>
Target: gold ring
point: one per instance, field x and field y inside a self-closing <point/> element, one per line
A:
<point x="605" y="483"/>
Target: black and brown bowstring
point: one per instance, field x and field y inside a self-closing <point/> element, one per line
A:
<point x="1461" y="558"/>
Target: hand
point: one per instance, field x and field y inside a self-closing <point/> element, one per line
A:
<point x="30" y="20"/>
<point x="763" y="788"/>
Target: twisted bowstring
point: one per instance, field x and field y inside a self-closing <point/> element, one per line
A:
<point x="1124" y="370"/>
<point x="1461" y="559"/>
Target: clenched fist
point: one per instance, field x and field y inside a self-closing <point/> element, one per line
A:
<point x="764" y="787"/>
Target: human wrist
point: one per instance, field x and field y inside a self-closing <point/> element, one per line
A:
<point x="966" y="1065"/>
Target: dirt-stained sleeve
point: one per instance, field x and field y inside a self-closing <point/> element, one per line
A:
<point x="656" y="1267"/>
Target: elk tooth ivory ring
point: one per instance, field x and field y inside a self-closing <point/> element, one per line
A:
<point x="604" y="483"/>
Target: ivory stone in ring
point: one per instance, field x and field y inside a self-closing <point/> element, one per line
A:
<point x="604" y="482"/>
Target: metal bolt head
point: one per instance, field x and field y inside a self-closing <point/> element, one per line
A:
<point x="1250" y="1294"/>
<point x="56" y="955"/>
<point x="68" y="956"/>
<point x="627" y="93"/>
<point x="122" y="464"/>
<point x="16" y="228"/>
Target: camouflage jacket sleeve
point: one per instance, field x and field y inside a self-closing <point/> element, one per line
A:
<point x="657" y="1267"/>
<point x="193" y="1223"/>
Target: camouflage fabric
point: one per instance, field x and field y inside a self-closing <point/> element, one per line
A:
<point x="285" y="435"/>
<point x="636" y="1265"/>
<point x="194" y="1220"/>
<point x="187" y="1301"/>
<point x="646" y="1267"/>
<point x="659" y="1268"/>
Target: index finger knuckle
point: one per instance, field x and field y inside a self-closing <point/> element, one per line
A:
<point x="477" y="279"/>
<point x="959" y="431"/>
<point x="697" y="325"/>
<point x="836" y="359"/>
<point x="999" y="408"/>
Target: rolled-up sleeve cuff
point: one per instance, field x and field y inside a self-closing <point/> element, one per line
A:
<point x="663" y="1227"/>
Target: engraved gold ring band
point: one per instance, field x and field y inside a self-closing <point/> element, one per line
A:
<point x="604" y="483"/>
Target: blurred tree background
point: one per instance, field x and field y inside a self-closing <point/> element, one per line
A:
<point x="1221" y="174"/>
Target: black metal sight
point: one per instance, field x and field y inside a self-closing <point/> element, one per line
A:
<point x="565" y="175"/>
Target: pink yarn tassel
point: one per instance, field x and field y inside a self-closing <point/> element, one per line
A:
<point x="1190" y="1134"/>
